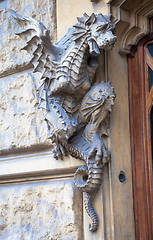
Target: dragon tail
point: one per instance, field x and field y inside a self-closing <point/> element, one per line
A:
<point x="88" y="202"/>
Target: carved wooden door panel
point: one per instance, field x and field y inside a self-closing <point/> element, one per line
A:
<point x="140" y="64"/>
<point x="149" y="93"/>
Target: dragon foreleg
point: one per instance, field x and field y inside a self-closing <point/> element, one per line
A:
<point x="60" y="128"/>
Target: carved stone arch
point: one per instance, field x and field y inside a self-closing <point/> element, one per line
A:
<point x="132" y="19"/>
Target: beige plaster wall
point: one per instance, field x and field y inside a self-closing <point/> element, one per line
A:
<point x="68" y="11"/>
<point x="122" y="192"/>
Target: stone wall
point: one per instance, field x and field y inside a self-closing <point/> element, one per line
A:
<point x="41" y="211"/>
<point x="21" y="123"/>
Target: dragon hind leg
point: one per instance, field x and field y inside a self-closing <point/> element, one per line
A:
<point x="60" y="126"/>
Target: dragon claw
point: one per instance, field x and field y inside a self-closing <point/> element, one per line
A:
<point x="99" y="152"/>
<point x="59" y="152"/>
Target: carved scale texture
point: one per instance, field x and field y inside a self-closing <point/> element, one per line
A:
<point x="93" y="182"/>
<point x="73" y="69"/>
<point x="75" y="66"/>
<point x="94" y="179"/>
<point x="60" y="125"/>
<point x="78" y="146"/>
<point x="88" y="201"/>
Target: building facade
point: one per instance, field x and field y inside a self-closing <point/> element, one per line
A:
<point x="38" y="197"/>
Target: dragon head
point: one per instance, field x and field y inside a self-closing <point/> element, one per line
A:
<point x="98" y="30"/>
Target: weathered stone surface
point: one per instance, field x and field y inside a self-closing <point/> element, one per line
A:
<point x="10" y="45"/>
<point x="22" y="124"/>
<point x="49" y="210"/>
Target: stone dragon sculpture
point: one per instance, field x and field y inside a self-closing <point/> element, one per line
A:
<point x="76" y="106"/>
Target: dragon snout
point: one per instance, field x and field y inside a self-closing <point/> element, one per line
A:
<point x="113" y="40"/>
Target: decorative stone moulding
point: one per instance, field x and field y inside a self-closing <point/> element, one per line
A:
<point x="76" y="107"/>
<point x="132" y="20"/>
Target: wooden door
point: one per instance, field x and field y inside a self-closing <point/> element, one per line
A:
<point x="140" y="63"/>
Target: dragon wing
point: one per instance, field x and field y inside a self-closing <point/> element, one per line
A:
<point x="38" y="44"/>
